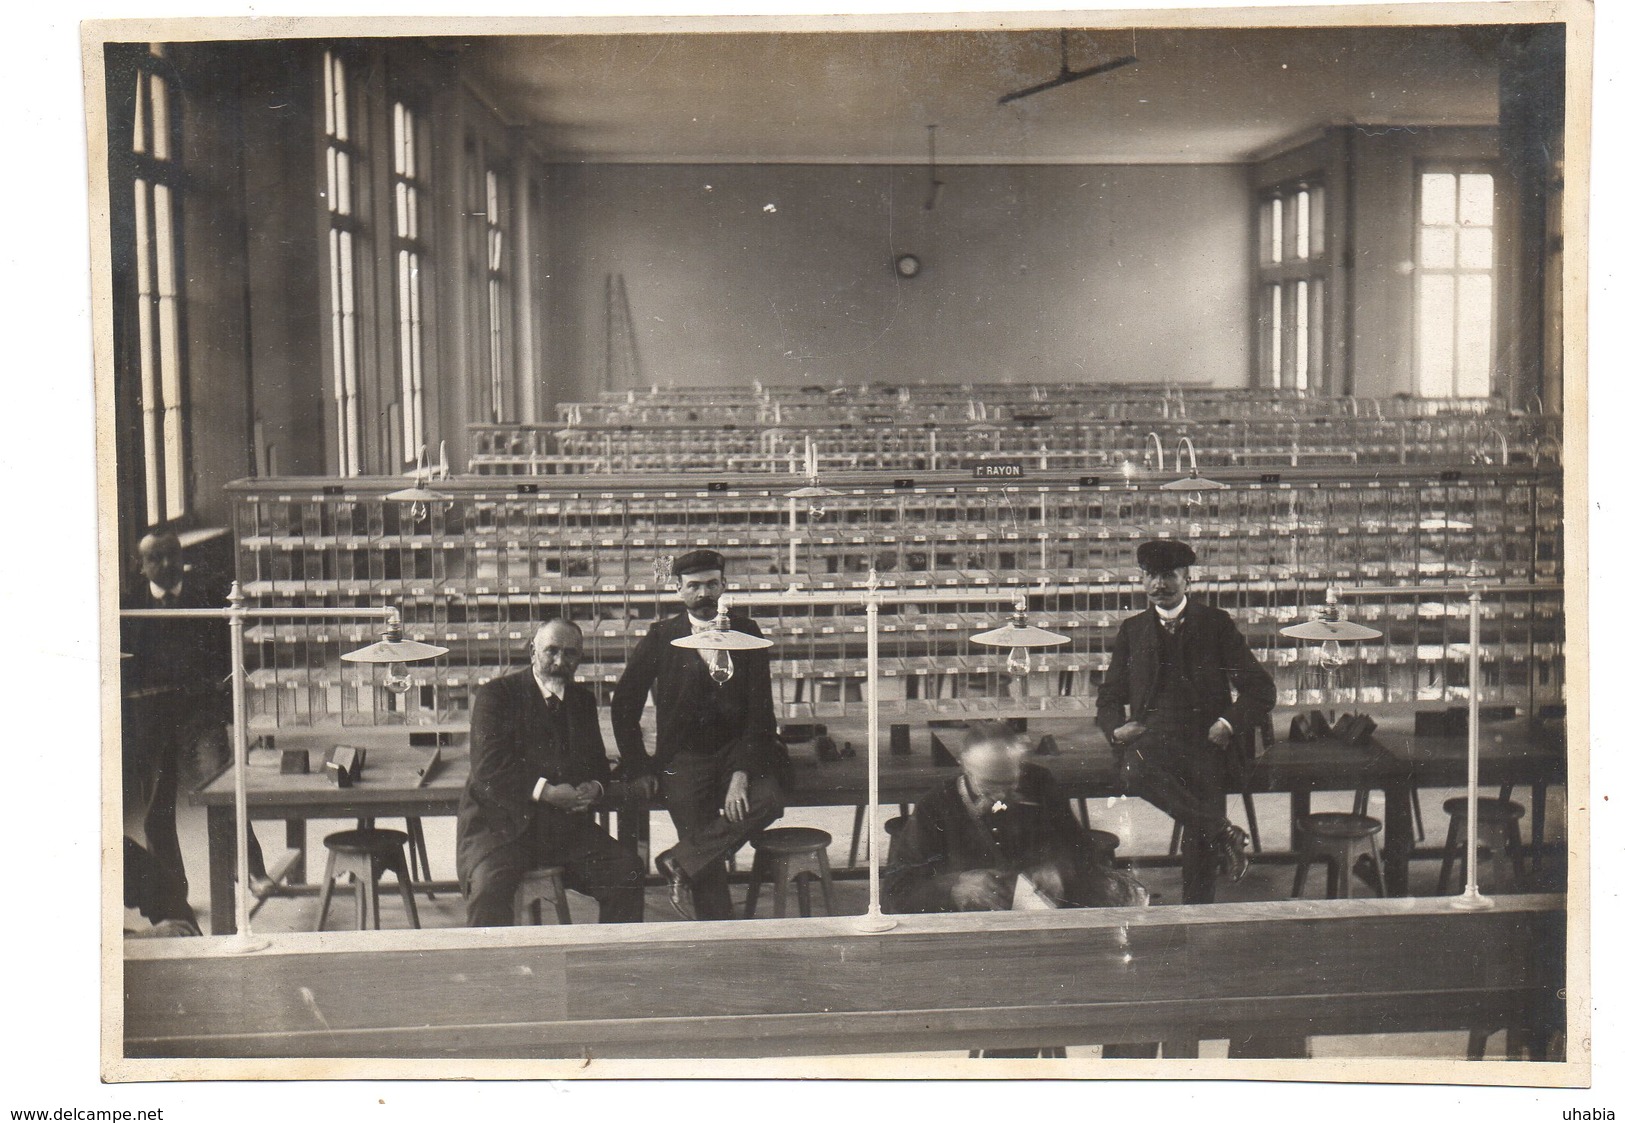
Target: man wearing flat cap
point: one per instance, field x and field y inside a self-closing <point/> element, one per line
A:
<point x="1181" y="690"/>
<point x="718" y="764"/>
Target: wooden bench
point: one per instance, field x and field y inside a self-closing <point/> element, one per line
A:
<point x="806" y="987"/>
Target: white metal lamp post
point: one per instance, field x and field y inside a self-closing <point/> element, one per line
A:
<point x="1018" y="635"/>
<point x="391" y="650"/>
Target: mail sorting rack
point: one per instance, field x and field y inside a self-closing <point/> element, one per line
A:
<point x="1051" y="445"/>
<point x="994" y="402"/>
<point x="477" y="572"/>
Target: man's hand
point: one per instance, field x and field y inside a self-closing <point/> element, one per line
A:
<point x="562" y="796"/>
<point x="587" y="795"/>
<point x="1127" y="732"/>
<point x="1220" y="733"/>
<point x="977" y="891"/>
<point x="736" y="804"/>
<point x="644" y="787"/>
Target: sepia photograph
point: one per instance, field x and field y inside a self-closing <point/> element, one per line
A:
<point x="991" y="546"/>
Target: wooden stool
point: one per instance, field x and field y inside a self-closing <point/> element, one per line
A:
<point x="796" y="854"/>
<point x="366" y="854"/>
<point x="1497" y="833"/>
<point x="542" y="883"/>
<point x="417" y="850"/>
<point x="1339" y="836"/>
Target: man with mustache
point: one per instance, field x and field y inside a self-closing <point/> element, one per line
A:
<point x="537" y="772"/>
<point x="718" y="764"/>
<point x="1181" y="687"/>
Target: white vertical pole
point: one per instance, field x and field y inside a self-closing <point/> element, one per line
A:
<point x="874" y="920"/>
<point x="1470" y="897"/>
<point x="244" y="940"/>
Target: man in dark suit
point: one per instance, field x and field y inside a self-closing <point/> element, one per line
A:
<point x="718" y="763"/>
<point x="967" y="843"/>
<point x="1183" y="677"/>
<point x="176" y="706"/>
<point x="537" y="768"/>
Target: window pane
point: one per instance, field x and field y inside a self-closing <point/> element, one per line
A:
<point x="141" y="111"/>
<point x="164" y="239"/>
<point x="1302" y="222"/>
<point x="160" y="118"/>
<point x="1317" y="356"/>
<point x="143" y="242"/>
<point x="1477" y="200"/>
<point x="401" y="229"/>
<point x="327" y="93"/>
<point x="1436" y="324"/>
<point x="1300" y="348"/>
<point x="342" y="170"/>
<point x="400" y="140"/>
<point x="341" y="102"/>
<point x="1317" y="221"/>
<point x="1438" y="199"/>
<point x="1477" y="247"/>
<point x="1265" y="210"/>
<point x="1438" y="247"/>
<point x="1473" y="335"/>
<point x="1275" y="337"/>
<point x="1277" y="220"/>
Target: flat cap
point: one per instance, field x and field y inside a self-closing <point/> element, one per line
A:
<point x="1162" y="555"/>
<point x="696" y="561"/>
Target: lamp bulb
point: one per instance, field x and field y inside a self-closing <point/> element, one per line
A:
<point x="418" y="511"/>
<point x="1332" y="654"/>
<point x="396" y="680"/>
<point x="1020" y="660"/>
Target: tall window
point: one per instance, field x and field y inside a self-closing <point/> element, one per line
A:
<point x="157" y="247"/>
<point x="343" y="234"/>
<point x="409" y="252"/>
<point x="496" y="283"/>
<point x="1292" y="287"/>
<point x="1455" y="311"/>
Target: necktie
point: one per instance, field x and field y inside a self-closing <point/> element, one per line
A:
<point x="555" y="704"/>
<point x="1171" y="624"/>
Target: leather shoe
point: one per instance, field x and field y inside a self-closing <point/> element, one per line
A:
<point x="682" y="893"/>
<point x="1234" y="845"/>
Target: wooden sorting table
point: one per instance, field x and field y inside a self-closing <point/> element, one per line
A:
<point x="1395" y="762"/>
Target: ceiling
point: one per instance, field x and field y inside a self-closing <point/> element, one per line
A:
<point x="1194" y="96"/>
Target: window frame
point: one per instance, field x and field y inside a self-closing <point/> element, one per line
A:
<point x="1494" y="273"/>
<point x="1286" y="283"/>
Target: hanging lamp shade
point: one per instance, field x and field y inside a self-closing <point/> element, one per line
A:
<point x="417" y="494"/>
<point x="393" y="649"/>
<point x="812" y="491"/>
<point x="1321" y="630"/>
<point x="722" y="637"/>
<point x="1019" y="633"/>
<point x="1193" y="482"/>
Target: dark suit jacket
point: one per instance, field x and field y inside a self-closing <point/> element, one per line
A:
<point x="691" y="711"/>
<point x="942" y="838"/>
<point x="514" y="741"/>
<point x="193" y="656"/>
<point x="1218" y="660"/>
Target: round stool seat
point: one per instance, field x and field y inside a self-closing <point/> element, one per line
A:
<point x="1340" y="825"/>
<point x="1497" y="832"/>
<point x="543" y="882"/>
<point x="1347" y="841"/>
<point x="367" y="840"/>
<point x="791" y="840"/>
<point x="791" y="855"/>
<point x="1489" y="809"/>
<point x="363" y="855"/>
